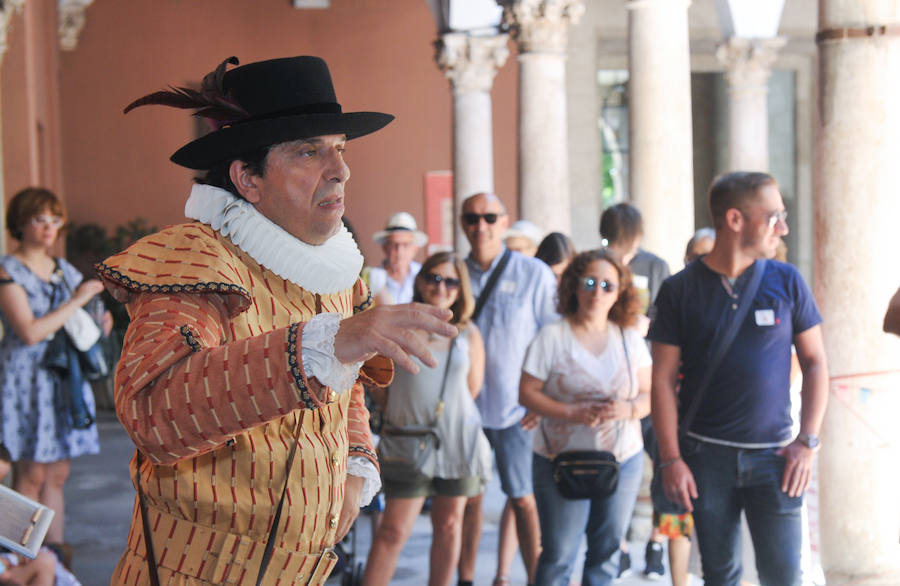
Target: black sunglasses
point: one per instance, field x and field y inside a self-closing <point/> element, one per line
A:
<point x="434" y="279"/>
<point x="590" y="284"/>
<point x="472" y="219"/>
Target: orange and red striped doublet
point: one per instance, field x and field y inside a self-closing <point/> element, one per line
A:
<point x="211" y="388"/>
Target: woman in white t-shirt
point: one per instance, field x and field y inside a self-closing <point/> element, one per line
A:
<point x="588" y="375"/>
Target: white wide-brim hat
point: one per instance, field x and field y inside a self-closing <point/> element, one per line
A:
<point x="525" y="229"/>
<point x="402" y="222"/>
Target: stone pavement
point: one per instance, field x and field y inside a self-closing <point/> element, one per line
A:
<point x="100" y="498"/>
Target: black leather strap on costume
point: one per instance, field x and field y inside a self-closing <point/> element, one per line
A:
<point x="270" y="541"/>
<point x="722" y="342"/>
<point x="145" y="520"/>
<point x="489" y="286"/>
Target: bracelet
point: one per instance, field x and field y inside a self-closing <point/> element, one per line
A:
<point x="668" y="463"/>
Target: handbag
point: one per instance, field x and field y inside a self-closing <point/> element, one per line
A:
<point x="404" y="453"/>
<point x="64" y="357"/>
<point x="585" y="474"/>
<point x="722" y="341"/>
<point x="84" y="336"/>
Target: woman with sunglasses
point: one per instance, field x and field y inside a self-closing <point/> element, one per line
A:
<point x="34" y="305"/>
<point x="441" y="399"/>
<point x="588" y="375"/>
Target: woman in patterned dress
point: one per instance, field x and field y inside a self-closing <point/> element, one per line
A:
<point x="34" y="305"/>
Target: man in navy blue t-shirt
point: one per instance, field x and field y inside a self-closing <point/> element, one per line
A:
<point x="739" y="452"/>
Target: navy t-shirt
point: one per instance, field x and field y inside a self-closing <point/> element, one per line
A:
<point x="748" y="399"/>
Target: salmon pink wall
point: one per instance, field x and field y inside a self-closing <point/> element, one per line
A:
<point x="381" y="57"/>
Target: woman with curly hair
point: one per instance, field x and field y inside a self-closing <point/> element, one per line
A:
<point x="588" y="375"/>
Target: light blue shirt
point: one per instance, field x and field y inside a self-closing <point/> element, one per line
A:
<point x="399" y="291"/>
<point x="523" y="301"/>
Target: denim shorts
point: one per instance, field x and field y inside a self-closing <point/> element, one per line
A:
<point x="512" y="448"/>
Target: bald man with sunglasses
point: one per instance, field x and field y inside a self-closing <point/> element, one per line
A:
<point x="522" y="301"/>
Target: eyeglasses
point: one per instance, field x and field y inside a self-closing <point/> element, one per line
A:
<point x="435" y="279"/>
<point x="777" y="216"/>
<point x="772" y="218"/>
<point x="472" y="219"/>
<point x="590" y="285"/>
<point x="52" y="221"/>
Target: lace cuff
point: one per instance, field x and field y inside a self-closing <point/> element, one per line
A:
<point x="317" y="348"/>
<point x="364" y="468"/>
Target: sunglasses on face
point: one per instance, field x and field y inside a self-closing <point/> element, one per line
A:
<point x="472" y="219"/>
<point x="590" y="285"/>
<point x="434" y="279"/>
<point x="52" y="221"/>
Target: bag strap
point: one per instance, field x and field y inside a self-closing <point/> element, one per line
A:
<point x="440" y="406"/>
<point x="270" y="540"/>
<point x="145" y="521"/>
<point x="722" y="342"/>
<point x="489" y="286"/>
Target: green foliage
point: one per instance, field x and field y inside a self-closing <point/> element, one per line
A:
<point x="88" y="244"/>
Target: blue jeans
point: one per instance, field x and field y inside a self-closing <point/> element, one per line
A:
<point x="733" y="479"/>
<point x="563" y="522"/>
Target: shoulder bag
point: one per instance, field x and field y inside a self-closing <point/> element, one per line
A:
<point x="722" y="341"/>
<point x="404" y="452"/>
<point x="64" y="356"/>
<point x="585" y="474"/>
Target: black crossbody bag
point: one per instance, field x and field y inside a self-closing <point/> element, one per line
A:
<point x="585" y="474"/>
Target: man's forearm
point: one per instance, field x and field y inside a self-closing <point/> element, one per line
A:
<point x="664" y="410"/>
<point x="814" y="397"/>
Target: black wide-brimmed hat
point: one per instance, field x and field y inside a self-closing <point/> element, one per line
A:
<point x="261" y="104"/>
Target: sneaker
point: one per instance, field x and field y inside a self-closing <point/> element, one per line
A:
<point x="624" y="565"/>
<point x="653" y="561"/>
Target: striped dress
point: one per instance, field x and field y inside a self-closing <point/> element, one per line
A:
<point x="212" y="390"/>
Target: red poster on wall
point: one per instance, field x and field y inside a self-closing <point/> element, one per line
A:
<point x="439" y="210"/>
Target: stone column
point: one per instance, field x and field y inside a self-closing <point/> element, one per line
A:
<point x="9" y="8"/>
<point x="540" y="29"/>
<point x="470" y="63"/>
<point x="661" y="152"/>
<point x="858" y="146"/>
<point x="748" y="66"/>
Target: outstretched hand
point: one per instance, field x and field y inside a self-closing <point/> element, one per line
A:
<point x="390" y="330"/>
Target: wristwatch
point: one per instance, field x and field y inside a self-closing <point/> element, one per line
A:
<point x="809" y="440"/>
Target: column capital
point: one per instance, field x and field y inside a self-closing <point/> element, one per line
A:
<point x="71" y="21"/>
<point x="541" y="26"/>
<point x="471" y="62"/>
<point x="748" y="62"/>
<point x="7" y="9"/>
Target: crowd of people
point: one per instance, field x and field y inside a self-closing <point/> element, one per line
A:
<point x="257" y="340"/>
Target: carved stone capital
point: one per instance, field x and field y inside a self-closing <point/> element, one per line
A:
<point x="541" y="26"/>
<point x="7" y="9"/>
<point x="71" y="21"/>
<point x="748" y="62"/>
<point x="471" y="62"/>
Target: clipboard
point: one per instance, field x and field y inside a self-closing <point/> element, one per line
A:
<point x="23" y="522"/>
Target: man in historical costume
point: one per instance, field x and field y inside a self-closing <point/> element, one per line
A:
<point x="238" y="376"/>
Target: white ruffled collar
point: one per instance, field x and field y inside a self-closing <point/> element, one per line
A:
<point x="327" y="268"/>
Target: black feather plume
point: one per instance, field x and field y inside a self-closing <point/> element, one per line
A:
<point x="211" y="101"/>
